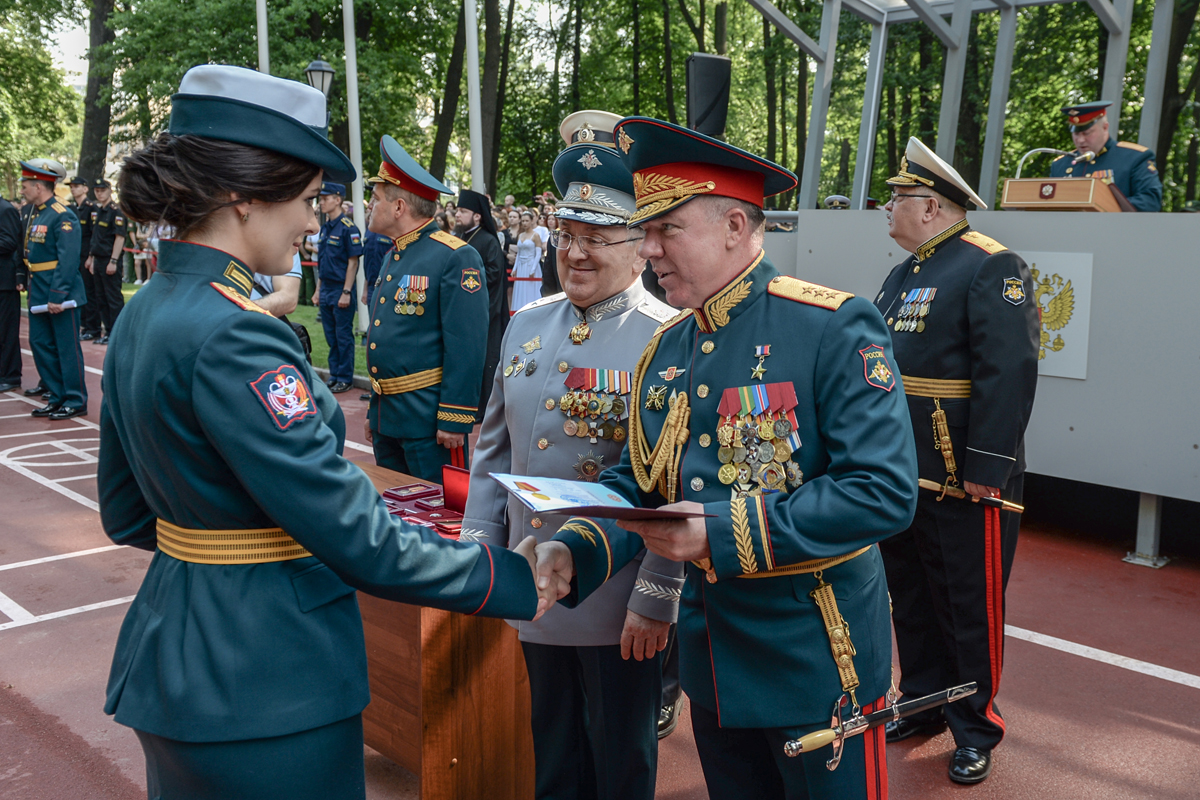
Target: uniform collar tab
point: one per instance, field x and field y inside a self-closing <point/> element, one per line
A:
<point x="189" y="257"/>
<point x="931" y="246"/>
<point x="615" y="306"/>
<point x="733" y="298"/>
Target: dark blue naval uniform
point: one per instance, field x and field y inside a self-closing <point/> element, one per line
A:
<point x="965" y="330"/>
<point x="212" y="426"/>
<point x="340" y="240"/>
<point x="52" y="242"/>
<point x="375" y="249"/>
<point x="1128" y="166"/>
<point x="90" y="315"/>
<point x="425" y="350"/>
<point x="810" y="459"/>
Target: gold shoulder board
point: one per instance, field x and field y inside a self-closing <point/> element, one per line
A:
<point x="453" y="242"/>
<point x="58" y="207"/>
<point x="671" y="323"/>
<point x="809" y="293"/>
<point x="239" y="299"/>
<point x="985" y="243"/>
<point x="659" y="312"/>
<point x="544" y="301"/>
<point x="1133" y="146"/>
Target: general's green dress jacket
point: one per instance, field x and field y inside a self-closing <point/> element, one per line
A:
<point x="799" y="444"/>
<point x="52" y="242"/>
<point x="212" y="420"/>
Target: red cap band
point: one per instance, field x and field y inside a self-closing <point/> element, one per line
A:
<point x="685" y="178"/>
<point x="391" y="174"/>
<point x="1081" y="119"/>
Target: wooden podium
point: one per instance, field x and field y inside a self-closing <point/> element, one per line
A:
<point x="1058" y="194"/>
<point x="449" y="695"/>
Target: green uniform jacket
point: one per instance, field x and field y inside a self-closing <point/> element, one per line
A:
<point x="212" y="420"/>
<point x="1127" y="165"/>
<point x="756" y="651"/>
<point x="52" y="242"/>
<point x="449" y="333"/>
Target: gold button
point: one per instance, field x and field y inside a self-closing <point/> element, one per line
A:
<point x="562" y="366"/>
<point x="372" y="345"/>
<point x="543" y="444"/>
<point x="374" y="370"/>
<point x="708" y="346"/>
<point x="389" y="277"/>
<point x="705" y="440"/>
<point x="382" y="300"/>
<point x="889" y="323"/>
<point x="845" y="661"/>
<point x="376" y="323"/>
<point x="550" y="404"/>
<point x="702" y="391"/>
<point x="697" y="484"/>
<point x="916" y="269"/>
<point x="536" y="522"/>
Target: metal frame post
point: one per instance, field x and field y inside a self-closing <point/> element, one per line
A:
<point x="1156" y="73"/>
<point x="474" y="118"/>
<point x="355" y="145"/>
<point x="993" y="143"/>
<point x="830" y="17"/>
<point x="870" y="119"/>
<point x="1114" y="65"/>
<point x="1149" y="533"/>
<point x="952" y="81"/>
<point x="264" y="54"/>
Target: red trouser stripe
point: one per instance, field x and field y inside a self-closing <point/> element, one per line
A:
<point x="876" y="759"/>
<point x="994" y="574"/>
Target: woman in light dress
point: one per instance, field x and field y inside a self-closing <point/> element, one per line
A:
<point x="530" y="247"/>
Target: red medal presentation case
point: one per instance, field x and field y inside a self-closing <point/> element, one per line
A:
<point x="432" y="506"/>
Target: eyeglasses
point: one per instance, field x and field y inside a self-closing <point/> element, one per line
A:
<point x="896" y="197"/>
<point x="562" y="240"/>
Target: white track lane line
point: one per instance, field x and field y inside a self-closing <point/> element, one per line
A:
<point x="1104" y="657"/>
<point x="363" y="448"/>
<point x="11" y="609"/>
<point x="53" y="485"/>
<point x="66" y="612"/>
<point x="92" y="370"/>
<point x="48" y="559"/>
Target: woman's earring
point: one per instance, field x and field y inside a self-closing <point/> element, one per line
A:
<point x="246" y="217"/>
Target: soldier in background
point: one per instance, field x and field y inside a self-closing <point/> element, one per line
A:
<point x="109" y="226"/>
<point x="557" y="409"/>
<point x="478" y="227"/>
<point x="965" y="333"/>
<point x="428" y="333"/>
<point x="1127" y="166"/>
<point x="83" y="207"/>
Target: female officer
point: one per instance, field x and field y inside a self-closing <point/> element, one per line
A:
<point x="241" y="663"/>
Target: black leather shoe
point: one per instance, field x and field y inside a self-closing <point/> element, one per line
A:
<point x="86" y="337"/>
<point x="46" y="396"/>
<point x="338" y="388"/>
<point x="668" y="718"/>
<point x="45" y="411"/>
<point x="35" y="391"/>
<point x="101" y="340"/>
<point x="365" y="396"/>
<point x="970" y="765"/>
<point x="8" y="387"/>
<point x="900" y="729"/>
<point x="66" y="412"/>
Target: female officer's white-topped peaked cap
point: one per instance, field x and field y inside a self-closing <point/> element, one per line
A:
<point x="235" y="104"/>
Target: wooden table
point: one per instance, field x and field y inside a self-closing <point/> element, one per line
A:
<point x="449" y="695"/>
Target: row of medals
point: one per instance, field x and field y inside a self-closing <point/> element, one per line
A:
<point x="911" y="317"/>
<point x="757" y="451"/>
<point x="411" y="302"/>
<point x="599" y="416"/>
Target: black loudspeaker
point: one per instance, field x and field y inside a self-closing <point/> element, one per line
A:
<point x="708" y="93"/>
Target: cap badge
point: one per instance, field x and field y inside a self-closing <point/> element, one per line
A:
<point x="585" y="191"/>
<point x="624" y="141"/>
<point x="589" y="160"/>
<point x="586" y="134"/>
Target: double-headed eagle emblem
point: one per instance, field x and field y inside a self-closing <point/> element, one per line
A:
<point x="1056" y="312"/>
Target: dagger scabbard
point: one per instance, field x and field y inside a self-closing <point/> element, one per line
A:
<point x="954" y="491"/>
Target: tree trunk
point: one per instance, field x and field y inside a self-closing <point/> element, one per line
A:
<point x="1102" y="58"/>
<point x="721" y="27"/>
<point x="697" y="30"/>
<point x="97" y="114"/>
<point x="668" y="68"/>
<point x="801" y="115"/>
<point x="489" y="113"/>
<point x="576" y="55"/>
<point x="769" y="69"/>
<point x="968" y="154"/>
<point x="842" y="183"/>
<point x="449" y="109"/>
<point x="494" y="165"/>
<point x="637" y="58"/>
<point x="1175" y="96"/>
<point x="925" y="122"/>
<point x="893" y="155"/>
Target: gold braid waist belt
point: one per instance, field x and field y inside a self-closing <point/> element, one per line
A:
<point x="251" y="546"/>
<point x="807" y="567"/>
<point x="936" y="387"/>
<point x="408" y="383"/>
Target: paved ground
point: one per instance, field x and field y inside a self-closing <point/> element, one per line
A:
<point x="1100" y="689"/>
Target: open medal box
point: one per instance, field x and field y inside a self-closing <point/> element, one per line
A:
<point x="430" y="505"/>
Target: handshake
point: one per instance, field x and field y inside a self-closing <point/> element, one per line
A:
<point x="553" y="568"/>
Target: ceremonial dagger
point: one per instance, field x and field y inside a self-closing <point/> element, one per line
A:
<point x="954" y="491"/>
<point x="860" y="723"/>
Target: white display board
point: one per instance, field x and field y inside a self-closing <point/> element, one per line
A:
<point x="1062" y="289"/>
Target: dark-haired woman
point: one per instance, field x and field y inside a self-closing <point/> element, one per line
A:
<point x="241" y="662"/>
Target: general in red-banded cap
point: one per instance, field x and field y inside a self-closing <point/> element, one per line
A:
<point x="1084" y="115"/>
<point x="920" y="166"/>
<point x="400" y="169"/>
<point x="671" y="165"/>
